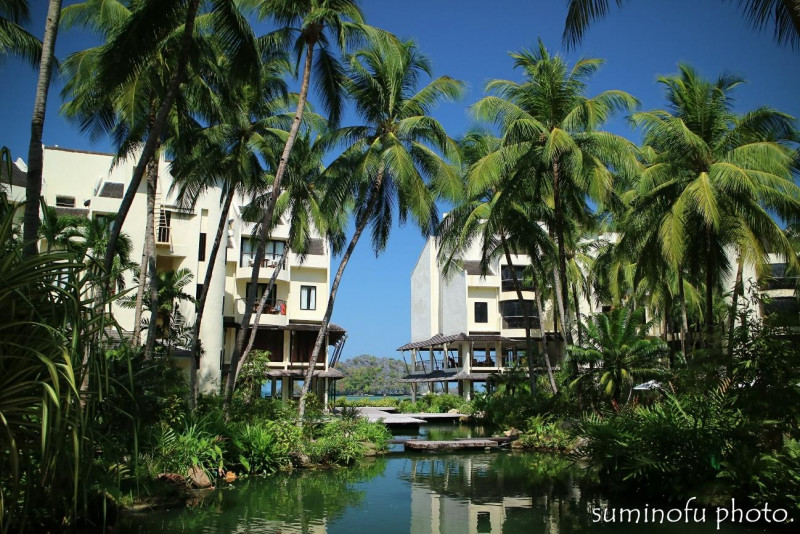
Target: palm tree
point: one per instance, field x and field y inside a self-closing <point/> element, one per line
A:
<point x="13" y="37"/>
<point x="33" y="188"/>
<point x="548" y="120"/>
<point x="300" y="203"/>
<point x="620" y="354"/>
<point x="503" y="214"/>
<point x="784" y="14"/>
<point x="718" y="173"/>
<point x="247" y="123"/>
<point x="315" y="25"/>
<point x="150" y="28"/>
<point x="390" y="155"/>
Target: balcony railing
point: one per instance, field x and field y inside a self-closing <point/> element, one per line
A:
<point x="163" y="234"/>
<point x="519" y="322"/>
<point x="508" y="285"/>
<point x="783" y="282"/>
<point x="272" y="307"/>
<point x="248" y="259"/>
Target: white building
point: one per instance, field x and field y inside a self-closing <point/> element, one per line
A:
<point x="86" y="184"/>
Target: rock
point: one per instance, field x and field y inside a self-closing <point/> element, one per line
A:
<point x="198" y="477"/>
<point x="517" y="445"/>
<point x="512" y="433"/>
<point x="230" y="477"/>
<point x="369" y="448"/>
<point x="453" y="410"/>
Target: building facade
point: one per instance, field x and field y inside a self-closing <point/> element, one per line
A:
<point x="90" y="184"/>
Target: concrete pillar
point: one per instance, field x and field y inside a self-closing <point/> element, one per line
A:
<point x="470" y="390"/>
<point x="273" y="384"/>
<point x="413" y="392"/>
<point x="285" y="391"/>
<point x="325" y="395"/>
<point x="446" y="387"/>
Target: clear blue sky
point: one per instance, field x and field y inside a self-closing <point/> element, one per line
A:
<point x="470" y="40"/>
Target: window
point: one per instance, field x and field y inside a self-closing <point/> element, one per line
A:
<point x="201" y="252"/>
<point x="65" y="202"/>
<point x="308" y="297"/>
<point x="273" y="252"/>
<point x="199" y="291"/>
<point x="262" y="288"/>
<point x="481" y="312"/>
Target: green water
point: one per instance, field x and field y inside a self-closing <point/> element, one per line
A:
<point x="414" y="493"/>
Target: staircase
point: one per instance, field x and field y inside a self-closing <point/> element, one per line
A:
<point x="337" y="351"/>
<point x="162" y="216"/>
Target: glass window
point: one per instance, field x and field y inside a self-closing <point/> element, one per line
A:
<point x="308" y="297"/>
<point x="201" y="252"/>
<point x="481" y="312"/>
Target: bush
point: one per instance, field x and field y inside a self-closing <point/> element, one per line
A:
<point x="665" y="450"/>
<point x="543" y="434"/>
<point x="267" y="446"/>
<point x="342" y="441"/>
<point x="192" y="443"/>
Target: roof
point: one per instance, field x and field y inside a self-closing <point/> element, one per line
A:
<point x="335" y="332"/>
<point x="439" y="340"/>
<point x="19" y="178"/>
<point x="76" y="212"/>
<point x="316" y="247"/>
<point x="112" y="190"/>
<point x="438" y="375"/>
<point x="473" y="267"/>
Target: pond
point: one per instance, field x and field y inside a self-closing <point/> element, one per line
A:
<point x="501" y="491"/>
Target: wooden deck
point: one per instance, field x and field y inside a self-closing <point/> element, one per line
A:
<point x="427" y="445"/>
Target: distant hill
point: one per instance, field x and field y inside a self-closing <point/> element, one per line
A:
<point x="372" y="375"/>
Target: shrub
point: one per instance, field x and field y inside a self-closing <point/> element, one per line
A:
<point x="541" y="433"/>
<point x="267" y="446"/>
<point x="178" y="449"/>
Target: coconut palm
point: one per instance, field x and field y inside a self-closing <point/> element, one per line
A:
<point x="14" y="40"/>
<point x="548" y="121"/>
<point x="388" y="158"/>
<point x="33" y="188"/>
<point x="620" y="354"/>
<point x="717" y="179"/>
<point x="153" y="27"/>
<point x="784" y="14"/>
<point x="247" y="124"/>
<point x="315" y="28"/>
<point x="504" y="217"/>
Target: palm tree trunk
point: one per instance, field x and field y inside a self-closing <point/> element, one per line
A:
<point x="738" y="289"/>
<point x="150" y="240"/>
<point x="709" y="288"/>
<point x="201" y="303"/>
<point x="261" y="304"/>
<point x="525" y="315"/>
<point x="561" y="263"/>
<point x="154" y="135"/>
<point x="152" y="175"/>
<point x="33" y="186"/>
<point x="684" y="318"/>
<point x="577" y="313"/>
<point x="560" y="304"/>
<point x="266" y="227"/>
<point x="323" y="329"/>
<point x="538" y="299"/>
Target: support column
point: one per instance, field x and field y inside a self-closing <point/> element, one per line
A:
<point x="325" y="395"/>
<point x="285" y="392"/>
<point x="470" y="390"/>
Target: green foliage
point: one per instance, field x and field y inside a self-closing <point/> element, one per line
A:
<point x="618" y="353"/>
<point x="252" y="375"/>
<point x="190" y="443"/>
<point x="543" y="434"/>
<point x="267" y="446"/>
<point x="342" y="441"/>
<point x="667" y="449"/>
<point x="777" y="482"/>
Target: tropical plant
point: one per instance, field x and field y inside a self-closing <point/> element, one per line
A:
<point x="549" y="124"/>
<point x="715" y="179"/>
<point x="314" y="24"/>
<point x="388" y="158"/>
<point x="14" y="39"/>
<point x="618" y="353"/>
<point x="784" y="14"/>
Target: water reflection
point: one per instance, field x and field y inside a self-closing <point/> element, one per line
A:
<point x="499" y="492"/>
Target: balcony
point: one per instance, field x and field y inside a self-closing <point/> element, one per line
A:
<point x="274" y="312"/>
<point x="268" y="264"/>
<point x="163" y="235"/>
<point x="509" y="286"/>
<point x="514" y="322"/>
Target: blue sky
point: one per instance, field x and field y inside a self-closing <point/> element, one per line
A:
<point x="470" y="40"/>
